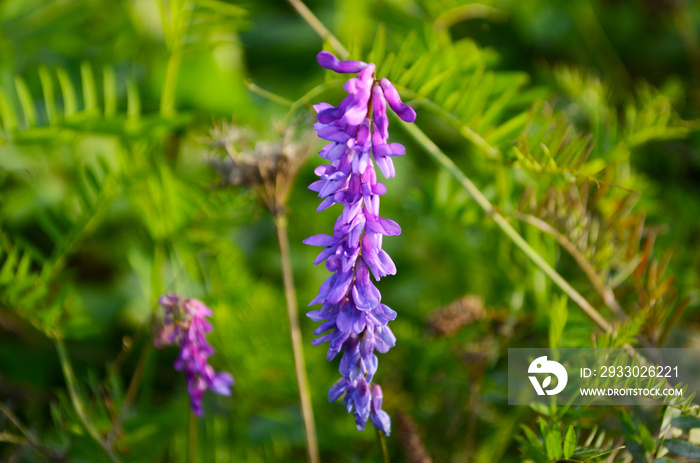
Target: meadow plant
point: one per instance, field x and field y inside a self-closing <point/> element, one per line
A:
<point x="186" y="325"/>
<point x="351" y="308"/>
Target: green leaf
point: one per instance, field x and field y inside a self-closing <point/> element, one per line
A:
<point x="7" y="113"/>
<point x="553" y="443"/>
<point x="646" y="438"/>
<point x="49" y="96"/>
<point x="542" y="409"/>
<point x="378" y="46"/>
<point x="89" y="88"/>
<point x="530" y="436"/>
<point x="133" y="101"/>
<point x="110" y="91"/>
<point x="70" y="102"/>
<point x="223" y="8"/>
<point x="569" y="443"/>
<point x="686" y="422"/>
<point x="681" y="447"/>
<point x="632" y="440"/>
<point x="557" y="321"/>
<point x="26" y="102"/>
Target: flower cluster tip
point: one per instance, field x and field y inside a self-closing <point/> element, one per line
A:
<point x="186" y="325"/>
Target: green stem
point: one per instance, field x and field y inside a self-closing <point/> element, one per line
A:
<point x="275" y="98"/>
<point x="167" y="99"/>
<point x="156" y="273"/>
<point x="191" y="437"/>
<point x="306" y="99"/>
<point x="382" y="445"/>
<point x="446" y="163"/>
<point x="318" y="26"/>
<point x="75" y="398"/>
<point x="29" y="436"/>
<point x="297" y="347"/>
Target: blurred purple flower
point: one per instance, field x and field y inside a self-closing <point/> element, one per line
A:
<point x="354" y="319"/>
<point x="186" y="324"/>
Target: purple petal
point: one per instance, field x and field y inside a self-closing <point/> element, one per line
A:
<point x="381" y="420"/>
<point x="337" y="340"/>
<point x="321" y="340"/>
<point x="337" y="389"/>
<point x="325" y="204"/>
<point x="364" y="293"/>
<point x="315" y="315"/>
<point x="320" y="240"/>
<point x="379" y="112"/>
<point x="329" y="61"/>
<point x="340" y="287"/>
<point x="361" y="399"/>
<point x="383" y="314"/>
<point x="405" y="112"/>
<point x="377" y="397"/>
<point x="321" y="106"/>
<point x="325" y="326"/>
<point x="386" y="165"/>
<point x="384" y="339"/>
<point x="221" y="384"/>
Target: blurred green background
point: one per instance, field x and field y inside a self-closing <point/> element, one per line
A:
<point x="107" y="200"/>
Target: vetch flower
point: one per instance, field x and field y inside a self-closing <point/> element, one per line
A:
<point x="354" y="318"/>
<point x="186" y="324"/>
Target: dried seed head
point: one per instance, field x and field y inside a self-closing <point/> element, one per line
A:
<point x="449" y="320"/>
<point x="270" y="166"/>
<point x="410" y="440"/>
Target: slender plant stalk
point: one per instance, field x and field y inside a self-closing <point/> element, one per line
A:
<point x="18" y="424"/>
<point x="474" y="402"/>
<point x="167" y="100"/>
<point x="295" y="331"/>
<point x="131" y="392"/>
<point x="191" y="436"/>
<point x="268" y="94"/>
<point x="75" y="398"/>
<point x="445" y="162"/>
<point x="29" y="437"/>
<point x="382" y="445"/>
<point x="318" y="27"/>
<point x="306" y="99"/>
<point x="11" y="439"/>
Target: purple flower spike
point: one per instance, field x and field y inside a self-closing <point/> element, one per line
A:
<point x="353" y="319"/>
<point x="186" y="324"/>
<point x="329" y="61"/>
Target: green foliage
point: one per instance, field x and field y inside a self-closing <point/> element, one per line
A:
<point x="107" y="200"/>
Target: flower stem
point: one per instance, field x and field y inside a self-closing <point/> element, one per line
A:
<point x="29" y="437"/>
<point x="191" y="436"/>
<point x="382" y="445"/>
<point x="318" y="26"/>
<point x="446" y="163"/>
<point x="295" y="331"/>
<point x="75" y="397"/>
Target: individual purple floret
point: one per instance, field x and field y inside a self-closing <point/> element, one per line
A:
<point x="354" y="319"/>
<point x="186" y="324"/>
